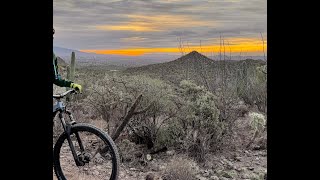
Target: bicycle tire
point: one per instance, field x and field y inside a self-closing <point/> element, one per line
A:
<point x="82" y="127"/>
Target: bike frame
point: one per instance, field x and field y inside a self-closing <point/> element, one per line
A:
<point x="60" y="109"/>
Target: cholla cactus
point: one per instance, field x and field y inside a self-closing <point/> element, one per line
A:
<point x="257" y="121"/>
<point x="262" y="69"/>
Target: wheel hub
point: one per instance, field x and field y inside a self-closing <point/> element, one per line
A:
<point x="84" y="158"/>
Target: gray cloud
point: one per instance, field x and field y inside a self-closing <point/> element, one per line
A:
<point x="75" y="21"/>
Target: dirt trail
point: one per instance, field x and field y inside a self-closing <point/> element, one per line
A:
<point x="236" y="165"/>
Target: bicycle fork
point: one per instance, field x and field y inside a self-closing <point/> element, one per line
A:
<point x="68" y="128"/>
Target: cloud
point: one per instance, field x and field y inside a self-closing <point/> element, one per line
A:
<point x="149" y="23"/>
<point x="126" y="24"/>
<point x="134" y="39"/>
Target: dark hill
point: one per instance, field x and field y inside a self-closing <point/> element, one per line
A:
<point x="195" y="66"/>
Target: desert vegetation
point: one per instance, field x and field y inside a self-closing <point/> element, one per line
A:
<point x="190" y="118"/>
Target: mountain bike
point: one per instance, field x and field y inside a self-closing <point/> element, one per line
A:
<point x="82" y="151"/>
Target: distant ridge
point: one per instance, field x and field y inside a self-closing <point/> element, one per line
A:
<point x="194" y="66"/>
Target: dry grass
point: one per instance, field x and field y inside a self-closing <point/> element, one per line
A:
<point x="180" y="168"/>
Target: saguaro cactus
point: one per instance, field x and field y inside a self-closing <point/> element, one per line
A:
<point x="73" y="65"/>
<point x="71" y="69"/>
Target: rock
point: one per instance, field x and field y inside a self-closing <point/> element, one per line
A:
<point x="251" y="168"/>
<point x="230" y="165"/>
<point x="240" y="169"/>
<point x="150" y="176"/>
<point x="206" y="173"/>
<point x="149" y="158"/>
<point x="257" y="147"/>
<point x="262" y="153"/>
<point x="238" y="158"/>
<point x="170" y="153"/>
<point x="133" y="169"/>
<point x="214" y="178"/>
<point x="162" y="167"/>
<point x="96" y="172"/>
<point x="224" y="159"/>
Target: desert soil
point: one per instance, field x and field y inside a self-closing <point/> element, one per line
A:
<point x="249" y="165"/>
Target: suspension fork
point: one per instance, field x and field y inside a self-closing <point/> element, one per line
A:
<point x="73" y="122"/>
<point x="67" y="129"/>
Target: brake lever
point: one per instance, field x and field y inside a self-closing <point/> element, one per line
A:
<point x="77" y="92"/>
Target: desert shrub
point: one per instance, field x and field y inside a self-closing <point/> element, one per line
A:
<point x="252" y="86"/>
<point x="250" y="131"/>
<point x="170" y="135"/>
<point x="198" y="121"/>
<point x="160" y="109"/>
<point x="109" y="99"/>
<point x="113" y="96"/>
<point x="179" y="168"/>
<point x="131" y="154"/>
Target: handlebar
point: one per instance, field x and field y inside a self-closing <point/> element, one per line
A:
<point x="62" y="95"/>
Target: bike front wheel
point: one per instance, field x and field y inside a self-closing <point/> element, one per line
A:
<point x="96" y="150"/>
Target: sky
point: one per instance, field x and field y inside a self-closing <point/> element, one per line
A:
<point x="140" y="27"/>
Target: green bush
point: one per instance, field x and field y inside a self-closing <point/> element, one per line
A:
<point x="199" y="120"/>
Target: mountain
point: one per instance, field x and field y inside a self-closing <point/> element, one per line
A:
<point x="92" y="58"/>
<point x="196" y="67"/>
<point x="127" y="61"/>
<point x="66" y="53"/>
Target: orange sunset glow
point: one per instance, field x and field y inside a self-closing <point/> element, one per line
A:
<point x="236" y="45"/>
